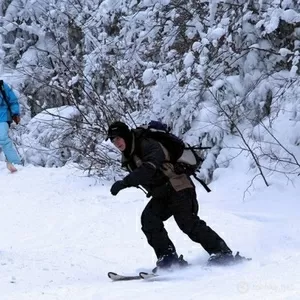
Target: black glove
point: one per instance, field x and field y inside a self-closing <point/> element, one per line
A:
<point x="117" y="187"/>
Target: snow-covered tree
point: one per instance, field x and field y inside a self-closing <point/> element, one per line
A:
<point x="209" y="69"/>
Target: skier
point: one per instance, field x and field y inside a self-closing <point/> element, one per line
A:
<point x="171" y="195"/>
<point x="9" y="110"/>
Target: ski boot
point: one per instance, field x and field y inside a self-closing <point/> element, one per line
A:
<point x="226" y="258"/>
<point x="238" y="258"/>
<point x="168" y="261"/>
<point x="221" y="259"/>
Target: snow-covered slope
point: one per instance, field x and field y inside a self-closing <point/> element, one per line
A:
<point x="62" y="232"/>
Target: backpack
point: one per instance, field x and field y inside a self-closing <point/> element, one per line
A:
<point x="185" y="158"/>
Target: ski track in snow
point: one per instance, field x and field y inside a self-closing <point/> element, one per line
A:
<point x="62" y="232"/>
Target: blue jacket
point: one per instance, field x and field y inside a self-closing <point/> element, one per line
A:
<point x="13" y="102"/>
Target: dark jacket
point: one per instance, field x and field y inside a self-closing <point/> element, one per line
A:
<point x="148" y="166"/>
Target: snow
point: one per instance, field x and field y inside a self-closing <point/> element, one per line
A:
<point x="290" y="16"/>
<point x="284" y="51"/>
<point x="196" y="46"/>
<point x="293" y="71"/>
<point x="216" y="33"/>
<point x="149" y="76"/>
<point x="62" y="232"/>
<point x="189" y="60"/>
<point x="55" y="114"/>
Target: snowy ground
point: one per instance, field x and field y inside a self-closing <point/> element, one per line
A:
<point x="62" y="232"/>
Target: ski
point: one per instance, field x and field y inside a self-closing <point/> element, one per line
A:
<point x="145" y="275"/>
<point x="237" y="259"/>
<point x="117" y="277"/>
<point x="142" y="275"/>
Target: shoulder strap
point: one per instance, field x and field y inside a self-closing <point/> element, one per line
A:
<point x="140" y="133"/>
<point x="4" y="95"/>
<point x="2" y="90"/>
<point x="203" y="183"/>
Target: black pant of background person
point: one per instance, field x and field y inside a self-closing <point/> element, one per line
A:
<point x="184" y="207"/>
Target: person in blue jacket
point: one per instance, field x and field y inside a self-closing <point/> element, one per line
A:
<point x="9" y="111"/>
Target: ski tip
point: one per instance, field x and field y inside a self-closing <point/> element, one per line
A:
<point x="111" y="274"/>
<point x="117" y="277"/>
<point x="145" y="275"/>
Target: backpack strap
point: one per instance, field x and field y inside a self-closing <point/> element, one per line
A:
<point x="141" y="132"/>
<point x="4" y="95"/>
<point x="202" y="183"/>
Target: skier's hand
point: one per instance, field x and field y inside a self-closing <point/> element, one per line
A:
<point x="117" y="187"/>
<point x="16" y="119"/>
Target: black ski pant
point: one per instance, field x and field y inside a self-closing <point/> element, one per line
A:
<point x="183" y="205"/>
